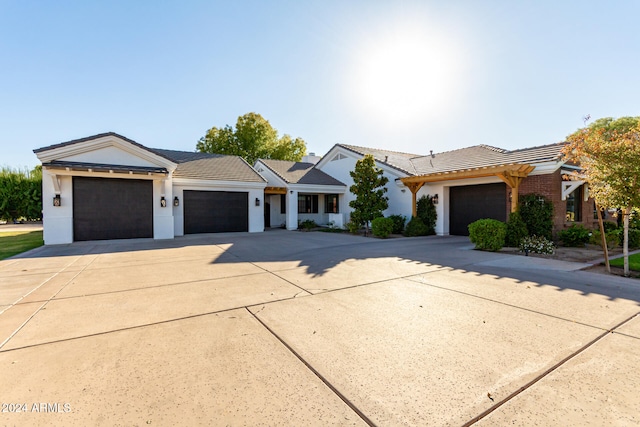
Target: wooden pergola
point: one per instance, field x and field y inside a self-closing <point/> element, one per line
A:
<point x="275" y="190"/>
<point x="511" y="174"/>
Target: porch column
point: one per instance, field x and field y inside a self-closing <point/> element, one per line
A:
<point x="292" y="210"/>
<point x="414" y="187"/>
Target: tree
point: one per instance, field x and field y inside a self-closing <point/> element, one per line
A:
<point x="609" y="154"/>
<point x="253" y="138"/>
<point x="369" y="188"/>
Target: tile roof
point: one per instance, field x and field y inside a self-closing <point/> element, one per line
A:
<point x="300" y="173"/>
<point x="220" y="167"/>
<point x="190" y="164"/>
<point x="464" y="158"/>
<point x="394" y="159"/>
<point x="85" y="139"/>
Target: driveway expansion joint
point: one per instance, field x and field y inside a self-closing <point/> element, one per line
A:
<point x="548" y="371"/>
<point x="326" y="382"/>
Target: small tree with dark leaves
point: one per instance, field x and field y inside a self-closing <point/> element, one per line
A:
<point x="369" y="188"/>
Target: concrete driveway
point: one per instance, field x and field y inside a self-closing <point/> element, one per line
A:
<point x="291" y="328"/>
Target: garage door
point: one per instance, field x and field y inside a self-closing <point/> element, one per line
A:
<point x="215" y="211"/>
<point x="473" y="202"/>
<point x="111" y="208"/>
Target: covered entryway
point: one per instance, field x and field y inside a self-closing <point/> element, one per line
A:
<point x="215" y="211"/>
<point x="470" y="203"/>
<point x="112" y="208"/>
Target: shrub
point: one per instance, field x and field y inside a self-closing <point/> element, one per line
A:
<point x="537" y="245"/>
<point x="382" y="227"/>
<point x="415" y="227"/>
<point x="307" y="224"/>
<point x="353" y="227"/>
<point x="426" y="211"/>
<point x="488" y="234"/>
<point x="516" y="230"/>
<point x="398" y="223"/>
<point x="609" y="226"/>
<point x="576" y="235"/>
<point x="537" y="213"/>
<point x="611" y="239"/>
<point x="634" y="237"/>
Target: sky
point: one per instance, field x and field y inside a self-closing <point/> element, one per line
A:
<point x="410" y="76"/>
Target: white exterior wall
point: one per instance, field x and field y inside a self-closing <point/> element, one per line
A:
<point x="399" y="201"/>
<point x="57" y="221"/>
<point x="254" y="190"/>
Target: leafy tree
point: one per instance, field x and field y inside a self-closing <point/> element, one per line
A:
<point x="369" y="188"/>
<point x="253" y="138"/>
<point x="20" y="193"/>
<point x="608" y="151"/>
<point x="426" y="211"/>
<point x="516" y="230"/>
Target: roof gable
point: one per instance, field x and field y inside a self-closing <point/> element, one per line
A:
<point x="106" y="148"/>
<point x="299" y="172"/>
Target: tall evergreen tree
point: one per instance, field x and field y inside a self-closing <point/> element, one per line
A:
<point x="369" y="188"/>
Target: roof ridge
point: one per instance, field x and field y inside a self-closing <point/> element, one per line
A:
<point x="380" y="149"/>
<point x="537" y="146"/>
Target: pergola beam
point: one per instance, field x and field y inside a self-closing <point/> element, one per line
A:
<point x="511" y="174"/>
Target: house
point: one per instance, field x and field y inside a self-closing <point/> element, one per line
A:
<point x="107" y="186"/>
<point x="298" y="191"/>
<point x="472" y="183"/>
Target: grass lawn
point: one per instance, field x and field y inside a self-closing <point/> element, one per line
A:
<point x="634" y="262"/>
<point x="16" y="242"/>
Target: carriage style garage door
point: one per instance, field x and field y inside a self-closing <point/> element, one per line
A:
<point x="112" y="208"/>
<point x="215" y="211"/>
<point x="473" y="202"/>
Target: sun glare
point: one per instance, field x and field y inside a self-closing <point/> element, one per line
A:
<point x="406" y="76"/>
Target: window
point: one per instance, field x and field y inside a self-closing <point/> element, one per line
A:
<point x="574" y="205"/>
<point x="283" y="203"/>
<point x="307" y="203"/>
<point x="331" y="203"/>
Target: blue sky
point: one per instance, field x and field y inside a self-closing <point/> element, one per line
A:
<point x="409" y="76"/>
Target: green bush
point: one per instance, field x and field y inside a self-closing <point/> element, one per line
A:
<point x="611" y="239"/>
<point x="382" y="227"/>
<point x="537" y="213"/>
<point x="307" y="224"/>
<point x="516" y="230"/>
<point x="537" y="245"/>
<point x="353" y="227"/>
<point x="488" y="234"/>
<point x="575" y="236"/>
<point x="634" y="237"/>
<point x="20" y="194"/>
<point x="398" y="223"/>
<point x="415" y="227"/>
<point x="609" y="226"/>
<point x="426" y="211"/>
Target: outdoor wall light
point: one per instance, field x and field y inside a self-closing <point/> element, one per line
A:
<point x="163" y="202"/>
<point x="257" y="202"/>
<point x="435" y="199"/>
<point x="176" y="201"/>
<point x="56" y="200"/>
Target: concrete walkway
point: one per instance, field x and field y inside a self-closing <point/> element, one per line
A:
<point x="293" y="328"/>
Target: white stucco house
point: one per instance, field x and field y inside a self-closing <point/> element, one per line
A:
<point x="298" y="191"/>
<point x="470" y="183"/>
<point x="107" y="186"/>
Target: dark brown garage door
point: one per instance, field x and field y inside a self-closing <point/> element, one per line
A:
<point x="215" y="211"/>
<point x="111" y="208"/>
<point x="470" y="203"/>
